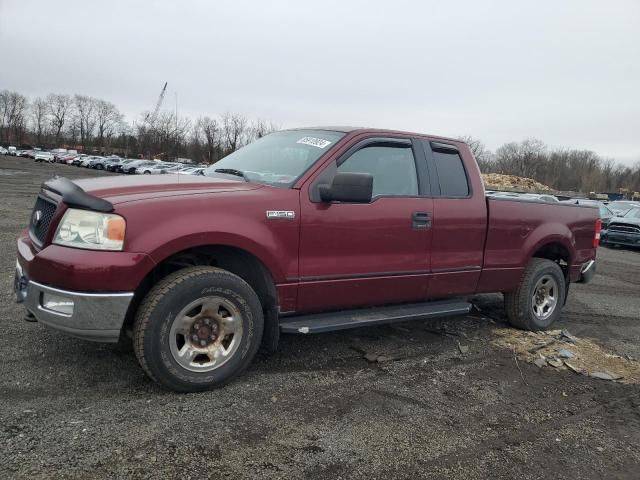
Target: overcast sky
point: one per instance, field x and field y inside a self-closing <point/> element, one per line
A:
<point x="567" y="72"/>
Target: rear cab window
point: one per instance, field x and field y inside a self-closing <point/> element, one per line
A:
<point x="450" y="170"/>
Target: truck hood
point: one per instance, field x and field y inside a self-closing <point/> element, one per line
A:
<point x="625" y="221"/>
<point x="120" y="189"/>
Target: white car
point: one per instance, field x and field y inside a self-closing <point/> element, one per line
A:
<point x="12" y="151"/>
<point x="3" y="151"/>
<point x="41" y="156"/>
<point x="151" y="169"/>
<point x="187" y="170"/>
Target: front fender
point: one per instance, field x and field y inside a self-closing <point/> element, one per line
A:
<point x="162" y="227"/>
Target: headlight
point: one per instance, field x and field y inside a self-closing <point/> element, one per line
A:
<point x="91" y="230"/>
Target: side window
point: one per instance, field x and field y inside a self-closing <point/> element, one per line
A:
<point x="451" y="174"/>
<point x="393" y="169"/>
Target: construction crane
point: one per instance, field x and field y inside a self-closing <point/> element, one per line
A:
<point x="151" y="117"/>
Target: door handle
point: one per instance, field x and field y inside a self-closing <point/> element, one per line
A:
<point x="421" y="220"/>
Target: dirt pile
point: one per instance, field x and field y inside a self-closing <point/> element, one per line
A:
<point x="560" y="350"/>
<point x="496" y="181"/>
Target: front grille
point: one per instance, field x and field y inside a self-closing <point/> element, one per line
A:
<point x="624" y="228"/>
<point x="39" y="222"/>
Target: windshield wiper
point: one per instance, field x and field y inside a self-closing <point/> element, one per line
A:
<point x="232" y="171"/>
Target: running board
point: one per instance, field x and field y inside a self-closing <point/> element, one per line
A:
<point x="327" y="322"/>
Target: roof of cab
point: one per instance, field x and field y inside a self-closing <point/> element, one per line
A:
<point x="347" y="129"/>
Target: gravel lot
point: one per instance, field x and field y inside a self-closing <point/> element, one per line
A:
<point x="318" y="408"/>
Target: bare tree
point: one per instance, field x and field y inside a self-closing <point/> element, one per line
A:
<point x="234" y="128"/>
<point x="14" y="108"/>
<point x="86" y="115"/>
<point x="4" y="114"/>
<point x="108" y="118"/>
<point x="39" y="118"/>
<point x="524" y="159"/>
<point x="483" y="156"/>
<point x="59" y="107"/>
<point x="210" y="130"/>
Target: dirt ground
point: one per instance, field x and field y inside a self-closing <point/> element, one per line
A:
<point x="444" y="399"/>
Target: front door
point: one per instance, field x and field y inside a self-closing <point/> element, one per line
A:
<point x="355" y="255"/>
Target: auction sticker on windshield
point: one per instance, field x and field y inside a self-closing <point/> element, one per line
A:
<point x="315" y="142"/>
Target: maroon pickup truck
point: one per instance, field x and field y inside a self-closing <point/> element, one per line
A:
<point x="303" y="231"/>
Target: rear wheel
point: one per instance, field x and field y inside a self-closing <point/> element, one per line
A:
<point x="537" y="302"/>
<point x="198" y="328"/>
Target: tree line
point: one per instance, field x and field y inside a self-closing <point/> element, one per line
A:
<point x="96" y="125"/>
<point x="562" y="169"/>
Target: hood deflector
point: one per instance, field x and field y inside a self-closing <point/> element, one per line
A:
<point x="76" y="197"/>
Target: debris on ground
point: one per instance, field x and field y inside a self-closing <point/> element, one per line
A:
<point x="554" y="362"/>
<point x="605" y="376"/>
<point x="378" y="358"/>
<point x="497" y="181"/>
<point x="540" y="362"/>
<point x="463" y="348"/>
<point x="565" y="336"/>
<point x="586" y="357"/>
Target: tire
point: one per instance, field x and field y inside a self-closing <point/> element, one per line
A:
<point x="188" y="308"/>
<point x="526" y="308"/>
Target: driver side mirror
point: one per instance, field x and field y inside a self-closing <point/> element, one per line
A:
<point x="348" y="187"/>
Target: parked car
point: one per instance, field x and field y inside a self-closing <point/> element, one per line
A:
<point x="543" y="197"/>
<point x="284" y="235"/>
<point x="152" y="169"/>
<point x="605" y="213"/>
<point x="624" y="230"/>
<point x="110" y="162"/>
<point x="77" y="161"/>
<point x="11" y="150"/>
<point x="3" y="151"/>
<point x="41" y="156"/>
<point x="131" y="168"/>
<point x="172" y="169"/>
<point x="621" y="207"/>
<point x="185" y="170"/>
<point x="66" y="159"/>
<point x="86" y="161"/>
<point x="24" y="153"/>
<point x="119" y="167"/>
<point x="97" y="162"/>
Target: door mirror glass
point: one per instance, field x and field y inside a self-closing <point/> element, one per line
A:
<point x="350" y="187"/>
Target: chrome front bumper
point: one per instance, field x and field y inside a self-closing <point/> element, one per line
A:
<point x="91" y="316"/>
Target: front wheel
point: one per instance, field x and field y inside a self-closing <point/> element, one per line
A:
<point x="538" y="300"/>
<point x="197" y="328"/>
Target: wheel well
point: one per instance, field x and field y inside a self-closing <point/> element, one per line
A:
<point x="235" y="260"/>
<point x="557" y="253"/>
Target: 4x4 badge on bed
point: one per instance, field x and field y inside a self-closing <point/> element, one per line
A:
<point x="286" y="214"/>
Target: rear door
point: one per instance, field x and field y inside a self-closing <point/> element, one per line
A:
<point x="354" y="255"/>
<point x="459" y="219"/>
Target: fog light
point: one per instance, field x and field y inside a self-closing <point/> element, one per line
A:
<point x="57" y="303"/>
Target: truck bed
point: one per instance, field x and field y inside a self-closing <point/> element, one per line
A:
<point x="518" y="229"/>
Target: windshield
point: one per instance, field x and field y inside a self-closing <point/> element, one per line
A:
<point x="634" y="212"/>
<point x="279" y="158"/>
<point x="621" y="207"/>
